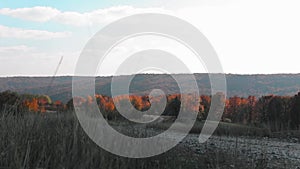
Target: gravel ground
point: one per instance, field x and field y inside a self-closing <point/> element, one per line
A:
<point x="270" y="152"/>
<point x="250" y="152"/>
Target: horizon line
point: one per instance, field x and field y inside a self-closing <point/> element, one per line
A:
<point x="69" y="75"/>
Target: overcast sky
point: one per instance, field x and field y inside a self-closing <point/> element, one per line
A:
<point x="250" y="36"/>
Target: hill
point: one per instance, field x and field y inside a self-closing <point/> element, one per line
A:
<point x="60" y="88"/>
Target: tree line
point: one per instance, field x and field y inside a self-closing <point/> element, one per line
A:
<point x="17" y="104"/>
<point x="274" y="112"/>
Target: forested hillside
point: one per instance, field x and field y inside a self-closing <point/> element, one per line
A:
<point x="60" y="88"/>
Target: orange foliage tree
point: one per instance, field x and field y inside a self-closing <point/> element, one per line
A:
<point x="32" y="104"/>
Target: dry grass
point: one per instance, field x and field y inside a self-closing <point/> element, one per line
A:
<point x="57" y="141"/>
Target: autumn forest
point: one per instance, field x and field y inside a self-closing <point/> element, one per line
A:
<point x="276" y="113"/>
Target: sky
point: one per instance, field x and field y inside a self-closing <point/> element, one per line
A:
<point x="250" y="37"/>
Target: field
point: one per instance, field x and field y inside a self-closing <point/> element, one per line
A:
<point x="58" y="141"/>
<point x="223" y="129"/>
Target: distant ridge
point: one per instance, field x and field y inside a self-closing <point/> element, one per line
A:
<point x="237" y="84"/>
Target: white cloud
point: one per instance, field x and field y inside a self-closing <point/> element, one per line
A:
<point x="10" y="32"/>
<point x="251" y="36"/>
<point x="107" y="15"/>
<point x="20" y="52"/>
<point x="27" y="60"/>
<point x="38" y="13"/>
<point x="96" y="17"/>
<point x="13" y="49"/>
